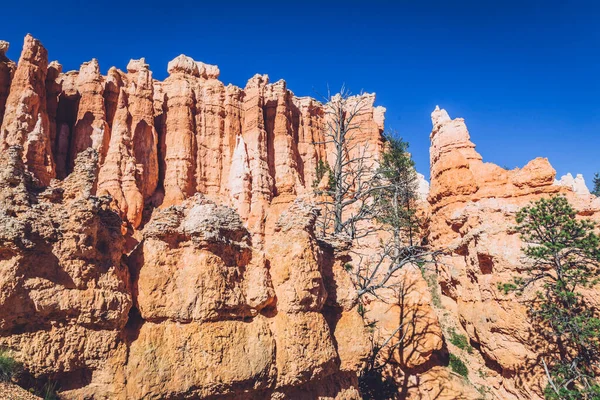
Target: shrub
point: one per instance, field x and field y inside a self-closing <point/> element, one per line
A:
<point x="460" y="341"/>
<point x="361" y="309"/>
<point x="432" y="283"/>
<point x="322" y="169"/>
<point x="457" y="365"/>
<point x="8" y="366"/>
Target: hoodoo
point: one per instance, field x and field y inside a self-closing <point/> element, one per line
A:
<point x="144" y="231"/>
<point x="165" y="239"/>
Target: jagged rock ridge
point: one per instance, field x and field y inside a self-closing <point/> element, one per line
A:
<point x="157" y="244"/>
<point x="473" y="205"/>
<point x="161" y="142"/>
<point x="155" y="240"/>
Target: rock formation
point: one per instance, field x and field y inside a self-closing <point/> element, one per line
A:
<point x="576" y="184"/>
<point x="7" y="69"/>
<point x="146" y="269"/>
<point x="159" y="241"/>
<point x="130" y="172"/>
<point x="25" y="122"/>
<point x="65" y="289"/>
<point x="473" y="207"/>
<point x="161" y="142"/>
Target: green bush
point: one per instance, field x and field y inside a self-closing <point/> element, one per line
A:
<point x="460" y="341"/>
<point x="432" y="283"/>
<point x="8" y="366"/>
<point x="457" y="365"/>
<point x="562" y="257"/>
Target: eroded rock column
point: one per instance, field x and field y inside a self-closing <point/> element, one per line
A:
<point x="7" y="69"/>
<point x="91" y="128"/>
<point x="25" y="120"/>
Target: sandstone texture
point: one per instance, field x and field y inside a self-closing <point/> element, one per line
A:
<point x="161" y="142"/>
<point x="25" y="122"/>
<point x="65" y="289"/>
<point x="473" y="206"/>
<point x="11" y="391"/>
<point x="192" y="298"/>
<point x="155" y="243"/>
<point x="158" y="242"/>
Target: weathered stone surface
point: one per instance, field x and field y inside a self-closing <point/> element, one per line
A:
<point x="195" y="267"/>
<point x="183" y="64"/>
<point x="199" y="360"/>
<point x="130" y="172"/>
<point x="195" y="264"/>
<point x="294" y="264"/>
<point x="53" y="90"/>
<point x="473" y="208"/>
<point x="91" y="128"/>
<point x="11" y="391"/>
<point x="65" y="292"/>
<point x="7" y="69"/>
<point x="25" y="121"/>
<point x="161" y="142"/>
<point x="352" y="340"/>
<point x="305" y="350"/>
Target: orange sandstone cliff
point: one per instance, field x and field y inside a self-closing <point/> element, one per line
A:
<point x="472" y="211"/>
<point x="158" y="241"/>
<point x="155" y="243"/>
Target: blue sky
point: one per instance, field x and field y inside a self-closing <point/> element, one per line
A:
<point x="525" y="74"/>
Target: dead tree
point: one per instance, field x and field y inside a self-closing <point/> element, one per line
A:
<point x="347" y="197"/>
<point x="393" y="204"/>
<point x="376" y="273"/>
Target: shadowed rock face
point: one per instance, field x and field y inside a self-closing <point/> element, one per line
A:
<point x="7" y="69"/>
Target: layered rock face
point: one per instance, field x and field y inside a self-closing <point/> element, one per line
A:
<point x="211" y="315"/>
<point x="156" y="243"/>
<point x="25" y="122"/>
<point x="161" y="142"/>
<point x="65" y="292"/>
<point x="201" y="286"/>
<point x="473" y="207"/>
<point x="159" y="241"/>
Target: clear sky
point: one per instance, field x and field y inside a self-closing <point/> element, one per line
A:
<point x="525" y="74"/>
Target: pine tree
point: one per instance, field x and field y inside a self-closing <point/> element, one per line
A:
<point x="563" y="258"/>
<point x="596" y="190"/>
<point x="395" y="200"/>
<point x="323" y="169"/>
